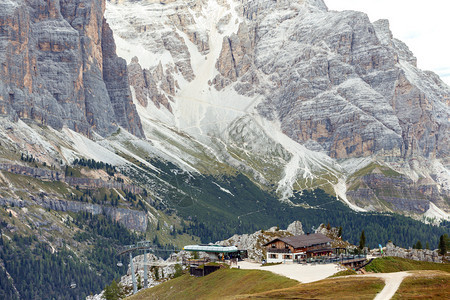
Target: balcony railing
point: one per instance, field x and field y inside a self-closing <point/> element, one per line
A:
<point x="276" y="250"/>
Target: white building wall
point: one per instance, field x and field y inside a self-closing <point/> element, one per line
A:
<point x="279" y="258"/>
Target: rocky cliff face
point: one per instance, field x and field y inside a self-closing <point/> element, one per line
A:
<point x="342" y="85"/>
<point x="131" y="219"/>
<point x="288" y="92"/>
<point x="59" y="67"/>
<point x="323" y="93"/>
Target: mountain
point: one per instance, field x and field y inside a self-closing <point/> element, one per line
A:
<point x="59" y="67"/>
<point x="181" y="122"/>
<point x="293" y="94"/>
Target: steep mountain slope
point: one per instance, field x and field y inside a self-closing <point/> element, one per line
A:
<point x="59" y="67"/>
<point x="231" y="116"/>
<point x="292" y="93"/>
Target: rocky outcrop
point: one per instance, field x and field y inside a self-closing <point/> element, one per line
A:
<point x="235" y="58"/>
<point x="59" y="67"/>
<point x="132" y="219"/>
<point x="333" y="233"/>
<point x="396" y="192"/>
<point x="82" y="182"/>
<point x="414" y="254"/>
<point x="92" y="183"/>
<point x="295" y="228"/>
<point x="254" y="242"/>
<point x="165" y="269"/>
<point x="158" y="271"/>
<point x="145" y="84"/>
<point x="40" y="173"/>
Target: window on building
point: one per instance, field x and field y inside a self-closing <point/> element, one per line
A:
<point x="274" y="245"/>
<point x="287" y="256"/>
<point x="273" y="256"/>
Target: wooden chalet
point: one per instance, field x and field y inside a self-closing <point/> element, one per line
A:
<point x="294" y="248"/>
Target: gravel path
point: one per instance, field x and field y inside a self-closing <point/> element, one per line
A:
<point x="302" y="273"/>
<point x="392" y="281"/>
<point x="309" y="273"/>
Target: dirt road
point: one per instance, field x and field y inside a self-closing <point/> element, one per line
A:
<point x="302" y="273"/>
<point x="309" y="273"/>
<point x="392" y="281"/>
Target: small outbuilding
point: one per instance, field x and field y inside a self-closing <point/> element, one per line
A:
<point x="218" y="252"/>
<point x="295" y="248"/>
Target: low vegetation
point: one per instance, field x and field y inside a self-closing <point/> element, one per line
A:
<point x="396" y="264"/>
<point x="271" y="264"/>
<point x="336" y="288"/>
<point x="246" y="284"/>
<point x="344" y="273"/>
<point x="217" y="285"/>
<point x="425" y="285"/>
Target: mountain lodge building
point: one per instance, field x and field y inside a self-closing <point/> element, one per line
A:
<point x="294" y="248"/>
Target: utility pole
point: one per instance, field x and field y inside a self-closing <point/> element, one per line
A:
<point x="146" y="246"/>
<point x="133" y="276"/>
<point x="145" y="269"/>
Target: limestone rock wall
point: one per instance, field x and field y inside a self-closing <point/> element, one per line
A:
<point x="59" y="67"/>
<point x="399" y="193"/>
<point x="132" y="219"/>
<point x="332" y="81"/>
<point x="146" y="83"/>
<point x="336" y="82"/>
<point x="414" y="254"/>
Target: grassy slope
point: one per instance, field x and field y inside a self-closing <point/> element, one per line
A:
<point x="397" y="264"/>
<point x="344" y="273"/>
<point x="243" y="284"/>
<point x="336" y="288"/>
<point x="425" y="285"/>
<point x="220" y="284"/>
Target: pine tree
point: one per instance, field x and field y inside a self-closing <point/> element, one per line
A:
<point x="113" y="291"/>
<point x="362" y="240"/>
<point x="139" y="282"/>
<point x="340" y="231"/>
<point x="442" y="245"/>
<point x="418" y="245"/>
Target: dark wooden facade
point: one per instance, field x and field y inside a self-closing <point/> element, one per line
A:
<point x="298" y="247"/>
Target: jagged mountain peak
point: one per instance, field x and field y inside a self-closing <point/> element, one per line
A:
<point x="291" y="94"/>
<point x="333" y="83"/>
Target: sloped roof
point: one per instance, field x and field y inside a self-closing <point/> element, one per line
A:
<point x="211" y="248"/>
<point x="304" y="240"/>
